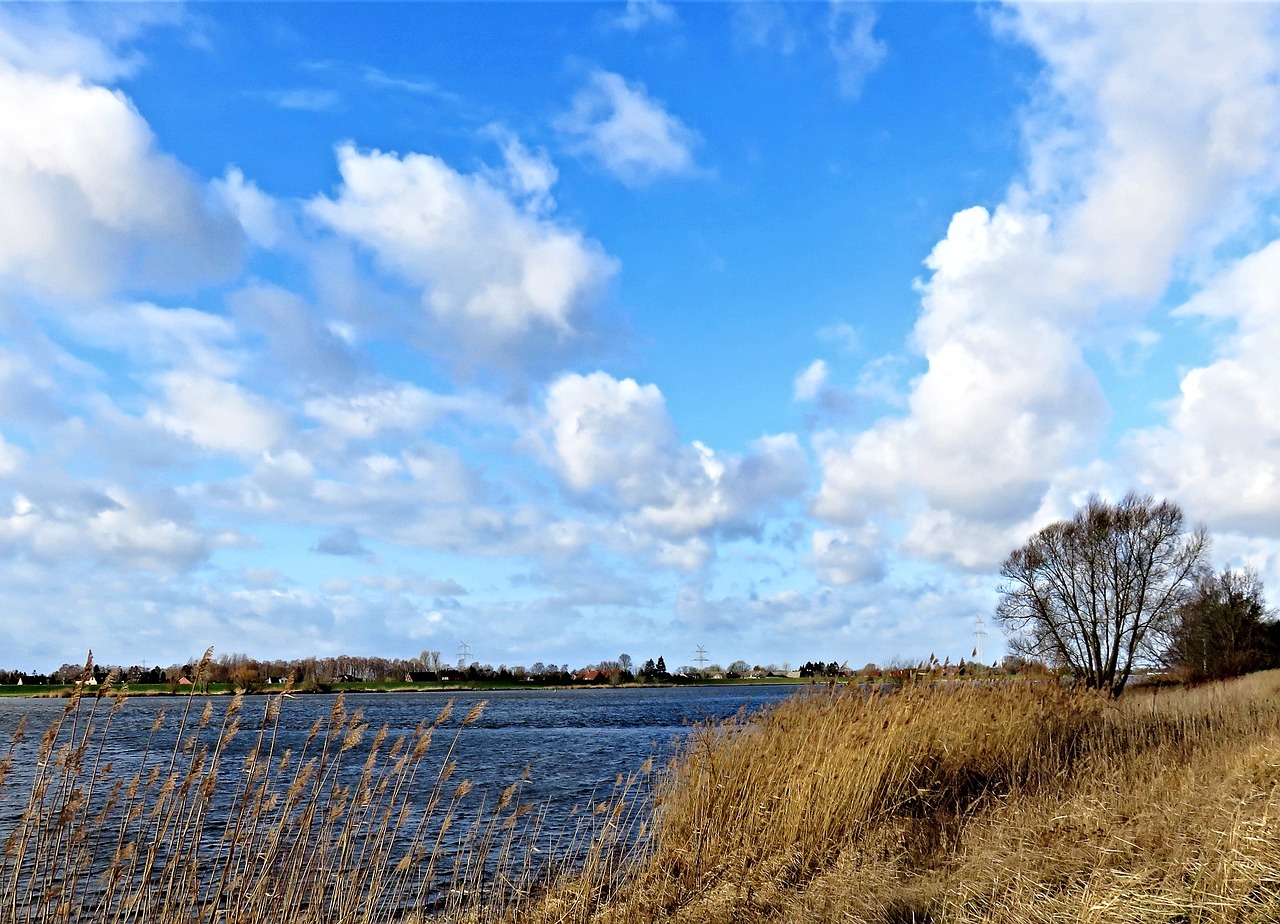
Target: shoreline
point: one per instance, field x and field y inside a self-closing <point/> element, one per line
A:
<point x="64" y="691"/>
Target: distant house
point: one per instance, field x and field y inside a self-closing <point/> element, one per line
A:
<point x="591" y="675"/>
<point x="184" y="681"/>
<point x="421" y="677"/>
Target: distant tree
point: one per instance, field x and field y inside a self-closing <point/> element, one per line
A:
<point x="739" y="669"/>
<point x="1100" y="592"/>
<point x="660" y="669"/>
<point x="624" y="662"/>
<point x="1224" y="628"/>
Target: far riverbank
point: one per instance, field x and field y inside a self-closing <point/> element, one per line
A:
<point x="59" y="691"/>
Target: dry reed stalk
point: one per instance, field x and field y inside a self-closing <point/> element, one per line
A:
<point x="937" y="805"/>
<point x="966" y="806"/>
<point x="312" y="837"/>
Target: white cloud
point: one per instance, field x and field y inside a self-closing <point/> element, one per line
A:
<point x="1008" y="404"/>
<point x="217" y="414"/>
<point x="111" y="526"/>
<point x="630" y="133"/>
<point x="611" y="433"/>
<point x="441" y="475"/>
<point x="342" y="542"/>
<point x="89" y="203"/>
<point x="765" y="25"/>
<point x="842" y="333"/>
<point x="809" y="383"/>
<point x="11" y="457"/>
<point x="258" y="214"/>
<point x="857" y="52"/>
<point x="180" y="338"/>
<point x="57" y="40"/>
<point x="840" y="557"/>
<point x="401" y="407"/>
<point x="503" y="282"/>
<point x="641" y="13"/>
<point x="529" y="175"/>
<point x="1219" y="454"/>
<point x="615" y="439"/>
<point x="305" y="99"/>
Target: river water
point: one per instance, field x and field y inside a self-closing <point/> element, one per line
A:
<point x="570" y="745"/>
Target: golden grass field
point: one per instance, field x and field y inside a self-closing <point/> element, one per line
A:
<point x="1013" y="803"/>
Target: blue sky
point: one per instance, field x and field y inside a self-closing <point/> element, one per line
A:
<point x="566" y="330"/>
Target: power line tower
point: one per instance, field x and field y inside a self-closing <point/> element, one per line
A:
<point x="979" y="636"/>
<point x="701" y="659"/>
<point x="464" y="656"/>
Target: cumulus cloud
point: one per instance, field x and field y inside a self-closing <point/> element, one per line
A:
<point x="1007" y="402"/>
<point x="503" y="282"/>
<point x="90" y="203"/>
<point x="110" y="526"/>
<point x="614" y="439"/>
<point x="1219" y="453"/>
<point x="402" y="407"/>
<point x="609" y="432"/>
<point x="92" y="42"/>
<point x="301" y="344"/>
<point x="627" y="131"/>
<point x="217" y="414"/>
<point x="840" y="557"/>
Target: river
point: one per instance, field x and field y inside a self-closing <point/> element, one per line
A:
<point x="570" y="746"/>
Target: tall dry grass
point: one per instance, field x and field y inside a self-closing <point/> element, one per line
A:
<point x="979" y="805"/>
<point x="973" y="805"/>
<point x="350" y="827"/>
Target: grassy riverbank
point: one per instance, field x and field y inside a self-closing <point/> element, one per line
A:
<point x="995" y="805"/>
<point x="1018" y="804"/>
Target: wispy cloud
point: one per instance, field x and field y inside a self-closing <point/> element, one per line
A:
<point x="851" y="37"/>
<point x="629" y="132"/>
<point x="641" y="13"/>
<point x="305" y="99"/>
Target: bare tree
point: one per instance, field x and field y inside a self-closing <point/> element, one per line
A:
<point x="1100" y="593"/>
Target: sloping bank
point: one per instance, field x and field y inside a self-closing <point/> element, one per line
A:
<point x="1012" y="804"/>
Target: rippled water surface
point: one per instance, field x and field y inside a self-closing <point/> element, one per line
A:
<point x="574" y="742"/>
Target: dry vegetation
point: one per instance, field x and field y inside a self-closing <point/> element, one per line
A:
<point x="1011" y="804"/>
<point x="1001" y="804"/>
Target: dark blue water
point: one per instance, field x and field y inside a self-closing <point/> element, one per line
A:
<point x="573" y="743"/>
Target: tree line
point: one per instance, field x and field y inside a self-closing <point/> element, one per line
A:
<point x="241" y="670"/>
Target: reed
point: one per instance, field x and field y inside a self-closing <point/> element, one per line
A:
<point x="1022" y="802"/>
<point x="972" y="805"/>
<point x="318" y="835"/>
